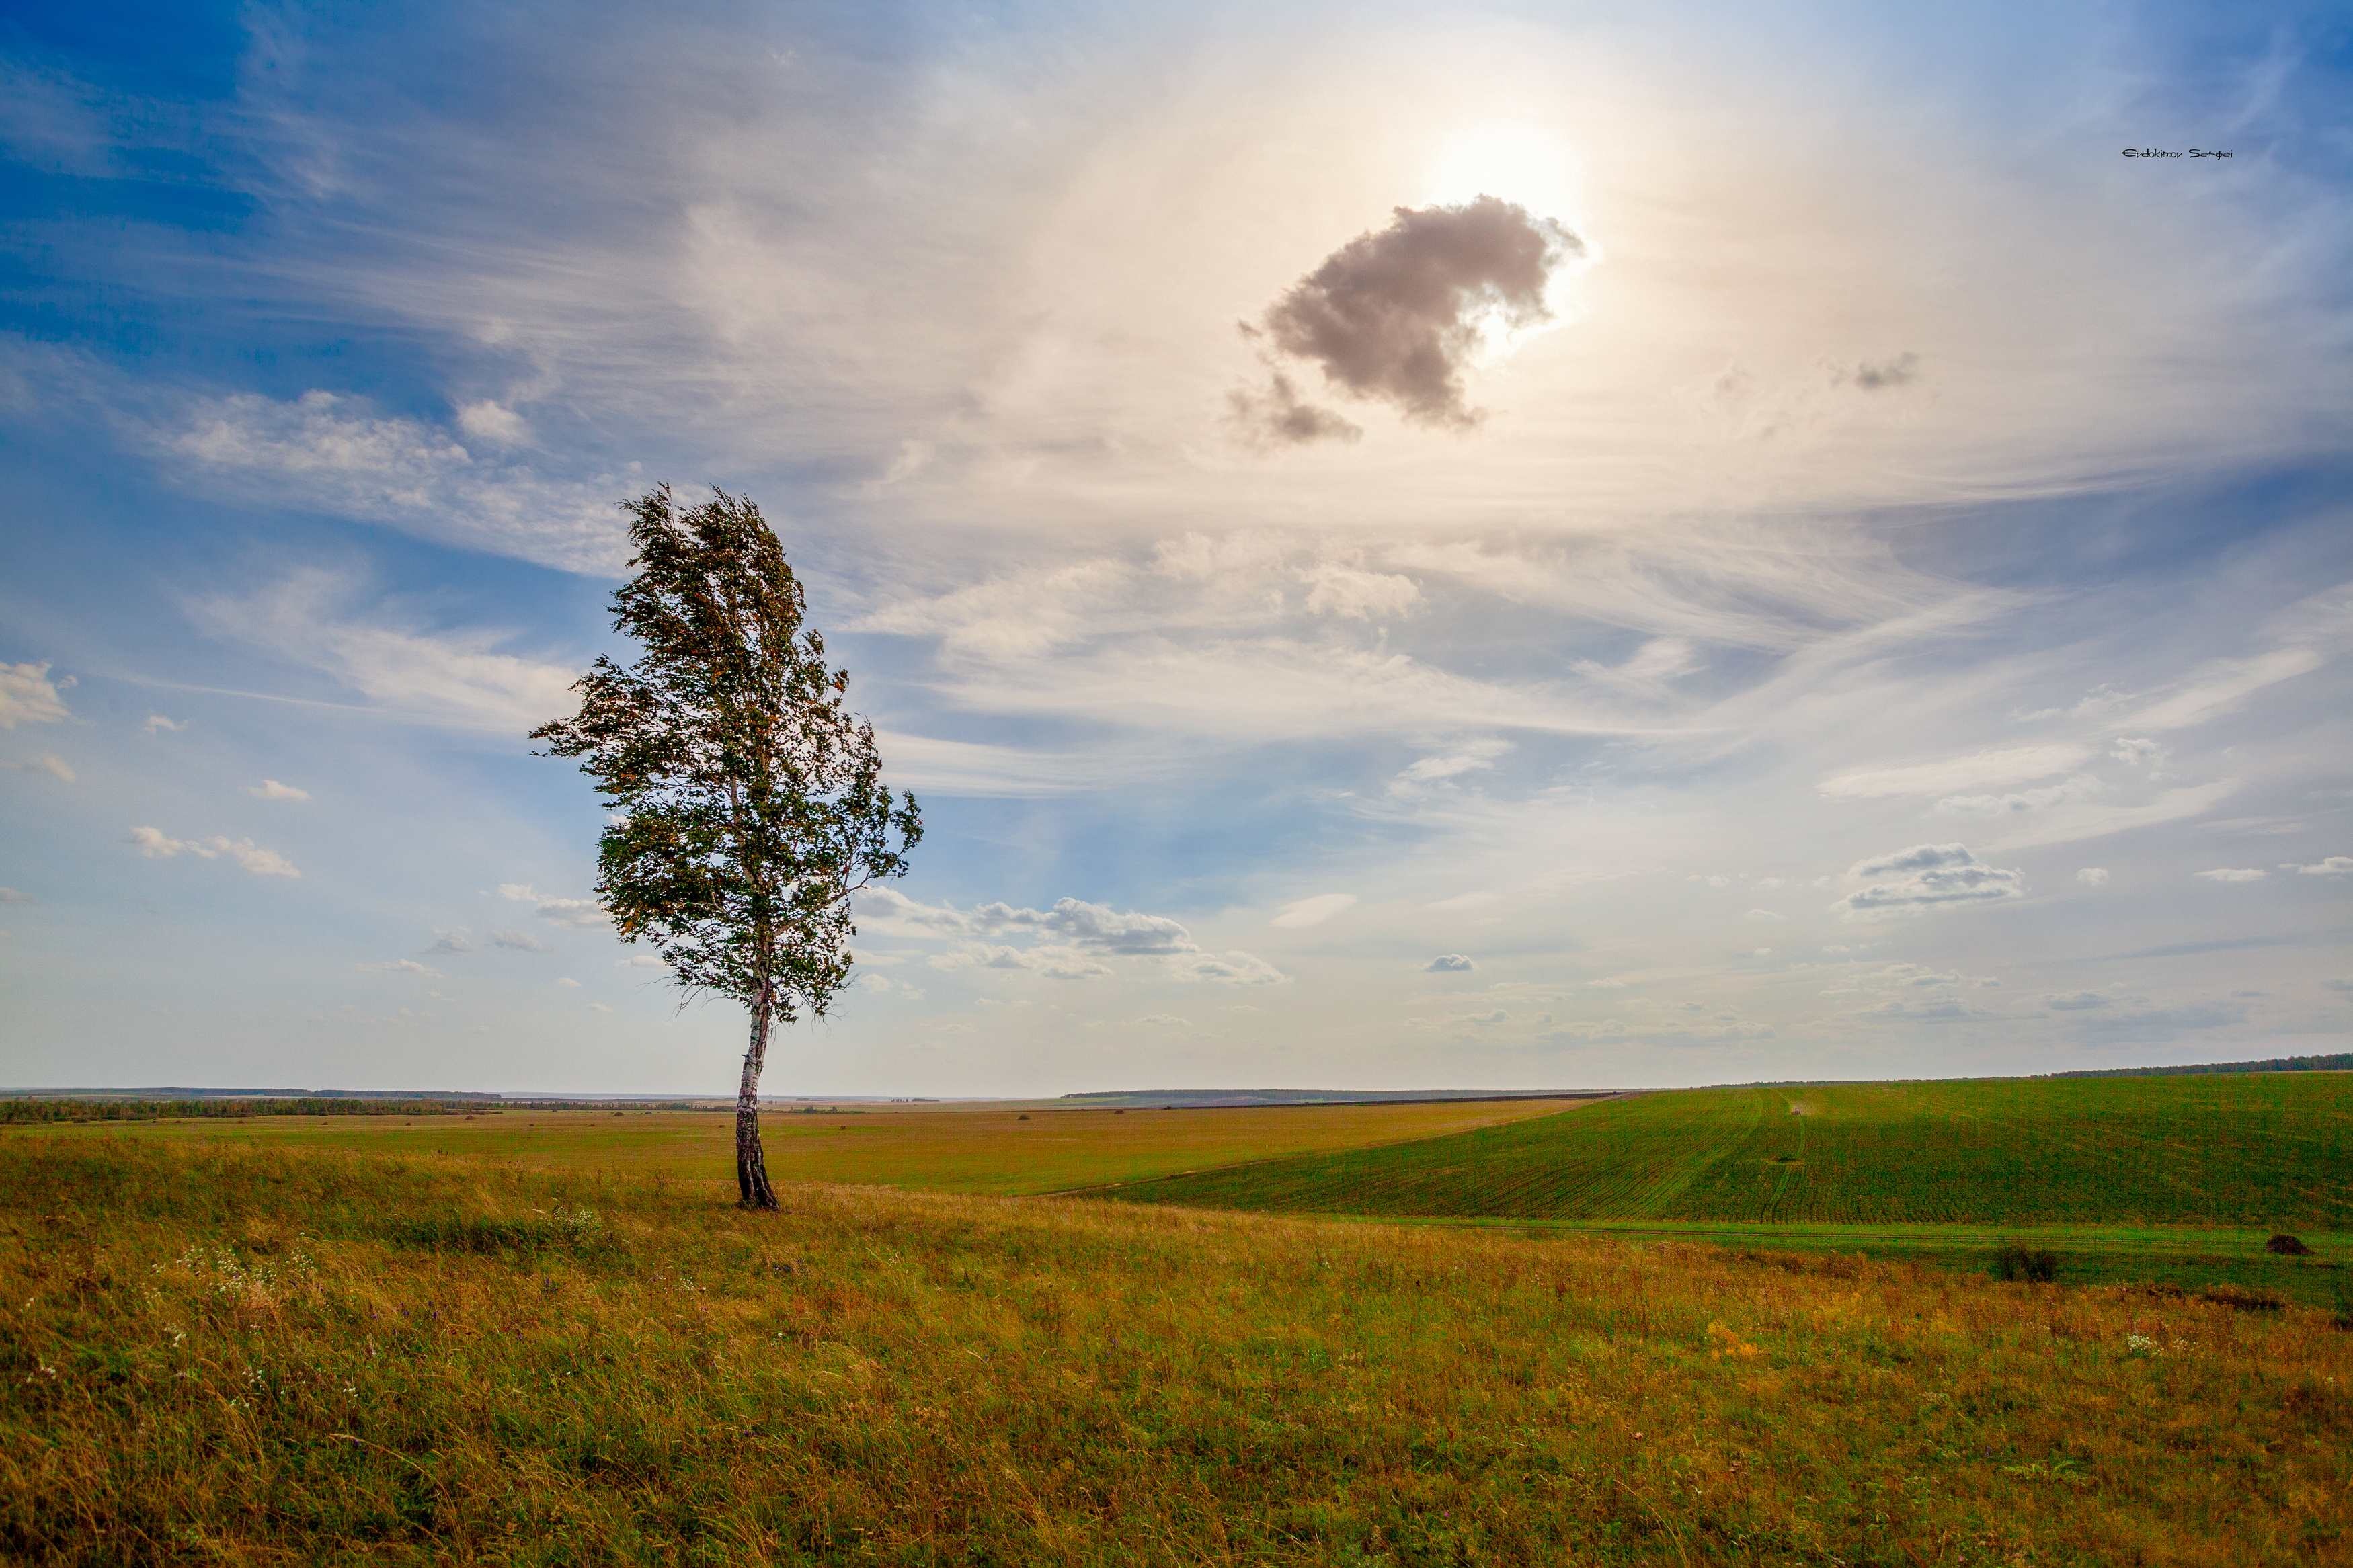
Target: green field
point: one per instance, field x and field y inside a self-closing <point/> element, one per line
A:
<point x="229" y="1350"/>
<point x="1005" y="1147"/>
<point x="2262" y="1151"/>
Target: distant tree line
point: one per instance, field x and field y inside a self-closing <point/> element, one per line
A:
<point x="2341" y="1062"/>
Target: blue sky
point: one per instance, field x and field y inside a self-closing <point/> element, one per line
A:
<point x="1880" y="609"/>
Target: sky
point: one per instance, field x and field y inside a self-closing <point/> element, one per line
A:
<point x="1509" y="546"/>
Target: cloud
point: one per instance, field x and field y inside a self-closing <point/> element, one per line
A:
<point x="1085" y="933"/>
<point x="1397" y="316"/>
<point x="2011" y="765"/>
<point x="1336" y="589"/>
<point x="2218" y="686"/>
<point x="2093" y="876"/>
<point x="2231" y="874"/>
<point x="581" y="914"/>
<point x="598" y="1007"/>
<point x="27" y="696"/>
<point x="11" y="896"/>
<point x="1449" y="964"/>
<point x="1927" y="877"/>
<point x="521" y="941"/>
<point x="270" y="789"/>
<point x="1618" y="1032"/>
<point x="157" y="724"/>
<point x="1226" y="969"/>
<point x="1313" y="911"/>
<point x="451" y="942"/>
<point x="1278" y="418"/>
<point x="153" y="844"/>
<point x="47" y="763"/>
<point x="334" y="454"/>
<point x="453" y="678"/>
<point x="399" y="966"/>
<point x="1765" y="915"/>
<point x="574" y="985"/>
<point x="1496" y="1016"/>
<point x="2134" y="752"/>
<point x="2067" y="791"/>
<point x="1164" y="1020"/>
<point x="2078" y="1001"/>
<point x="2335" y="866"/>
<point x="2069" y="824"/>
<point x="1901" y="370"/>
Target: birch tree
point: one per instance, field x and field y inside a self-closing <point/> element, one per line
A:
<point x="746" y="801"/>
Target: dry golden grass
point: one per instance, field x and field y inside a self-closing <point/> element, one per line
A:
<point x="257" y="1356"/>
<point x="1030" y="1147"/>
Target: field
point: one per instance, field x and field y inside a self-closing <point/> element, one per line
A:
<point x="1033" y="1147"/>
<point x="232" y="1351"/>
<point x="2175" y="1179"/>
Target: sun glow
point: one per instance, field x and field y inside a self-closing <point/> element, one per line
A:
<point x="1533" y="167"/>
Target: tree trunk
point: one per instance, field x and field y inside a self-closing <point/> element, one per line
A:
<point x="750" y="1164"/>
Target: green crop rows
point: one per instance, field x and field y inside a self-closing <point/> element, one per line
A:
<point x="2257" y="1151"/>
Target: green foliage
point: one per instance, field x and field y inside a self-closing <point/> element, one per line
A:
<point x="747" y="800"/>
<point x="2039" y="1265"/>
<point x="2215" y="1151"/>
<point x="216" y="1353"/>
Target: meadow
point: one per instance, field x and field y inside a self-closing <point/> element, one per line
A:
<point x="2258" y="1151"/>
<point x="957" y="1147"/>
<point x="225" y="1349"/>
<point x="2173" y="1179"/>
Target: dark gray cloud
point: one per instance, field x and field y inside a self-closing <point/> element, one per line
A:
<point x="1396" y="315"/>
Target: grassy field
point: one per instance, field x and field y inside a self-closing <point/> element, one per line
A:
<point x="2270" y="1150"/>
<point x="1037" y="1147"/>
<point x="214" y="1351"/>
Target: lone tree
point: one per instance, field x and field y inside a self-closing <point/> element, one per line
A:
<point x="747" y="801"/>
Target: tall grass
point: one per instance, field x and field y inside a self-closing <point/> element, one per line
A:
<point x="220" y="1354"/>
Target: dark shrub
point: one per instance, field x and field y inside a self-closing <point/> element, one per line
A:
<point x="2241" y="1300"/>
<point x="2288" y="1247"/>
<point x="2018" y="1263"/>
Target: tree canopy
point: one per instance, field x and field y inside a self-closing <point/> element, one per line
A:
<point x="747" y="801"/>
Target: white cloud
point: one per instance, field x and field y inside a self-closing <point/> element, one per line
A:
<point x="332" y="454"/>
<point x="492" y="423"/>
<point x="47" y="763"/>
<point x="2074" y="823"/>
<point x="1927" y="877"/>
<point x="270" y="789"/>
<point x="27" y="696"/>
<point x="1764" y="915"/>
<point x="157" y="725"/>
<point x="521" y="941"/>
<point x="2078" y="1001"/>
<point x="2093" y="876"/>
<point x="1227" y="969"/>
<point x="2009" y="765"/>
<point x="1606" y="984"/>
<point x="2134" y="752"/>
<point x="2231" y="874"/>
<point x="1339" y="590"/>
<point x="399" y="966"/>
<point x="2080" y="787"/>
<point x="1164" y="1020"/>
<point x="581" y="914"/>
<point x="153" y="844"/>
<point x="1449" y="964"/>
<point x="11" y="896"/>
<point x="1621" y="1032"/>
<point x="574" y="985"/>
<point x="2335" y="866"/>
<point x="2217" y="687"/>
<point x="598" y="1007"/>
<point x="1313" y="911"/>
<point x="452" y="678"/>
